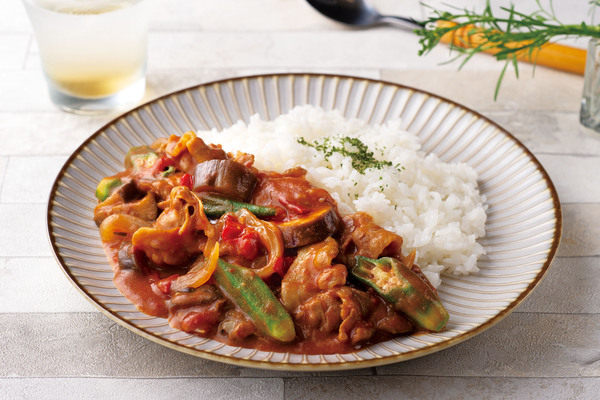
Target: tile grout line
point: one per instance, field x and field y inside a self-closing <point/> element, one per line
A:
<point x="182" y="377"/>
<point x="3" y="178"/>
<point x="323" y="375"/>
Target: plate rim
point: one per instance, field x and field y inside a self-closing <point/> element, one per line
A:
<point x="328" y="365"/>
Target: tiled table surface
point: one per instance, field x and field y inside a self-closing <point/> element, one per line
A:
<point x="54" y="344"/>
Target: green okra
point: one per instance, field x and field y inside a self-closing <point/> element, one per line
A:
<point x="106" y="186"/>
<point x="136" y="154"/>
<point x="255" y="298"/>
<point x="215" y="206"/>
<point x="405" y="290"/>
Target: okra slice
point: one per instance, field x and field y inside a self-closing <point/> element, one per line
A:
<point x="255" y="298"/>
<point x="137" y="156"/>
<point x="106" y="186"/>
<point x="406" y="291"/>
<point x="215" y="206"/>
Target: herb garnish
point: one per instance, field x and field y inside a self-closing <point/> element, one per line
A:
<point x="360" y="154"/>
<point x="510" y="36"/>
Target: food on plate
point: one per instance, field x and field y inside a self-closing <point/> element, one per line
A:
<point x="258" y="257"/>
<point x="380" y="169"/>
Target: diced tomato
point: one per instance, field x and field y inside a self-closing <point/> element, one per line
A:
<point x="279" y="266"/>
<point x="247" y="244"/>
<point x="245" y="240"/>
<point x="231" y="228"/>
<point x="187" y="180"/>
<point x="288" y="261"/>
<point x="164" y="285"/>
<point x="282" y="264"/>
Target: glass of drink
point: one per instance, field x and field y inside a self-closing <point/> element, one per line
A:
<point x="589" y="114"/>
<point x="93" y="52"/>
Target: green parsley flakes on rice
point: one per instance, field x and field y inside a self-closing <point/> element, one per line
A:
<point x="436" y="207"/>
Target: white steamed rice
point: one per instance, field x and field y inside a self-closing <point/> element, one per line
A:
<point x="435" y="206"/>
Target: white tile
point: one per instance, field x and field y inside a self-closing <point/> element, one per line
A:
<point x="3" y="162"/>
<point x="575" y="178"/>
<point x="38" y="285"/>
<point x="571" y="277"/>
<point x="233" y="15"/>
<point x="377" y="48"/>
<point x="29" y="179"/>
<point x="581" y="232"/>
<point x="46" y="133"/>
<point x="525" y="345"/>
<point x="23" y="230"/>
<point x="99" y="346"/>
<point x="135" y="389"/>
<point x="13" y="47"/>
<point x="430" y="6"/>
<point x="24" y="91"/>
<point x="33" y="60"/>
<point x="90" y="344"/>
<point x="418" y="387"/>
<point x="161" y="81"/>
<point x="476" y="88"/>
<point x="550" y="131"/>
<point x="13" y="17"/>
<point x="404" y="8"/>
<point x="249" y="16"/>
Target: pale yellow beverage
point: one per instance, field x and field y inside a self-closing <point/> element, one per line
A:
<point x="92" y="50"/>
<point x="92" y="84"/>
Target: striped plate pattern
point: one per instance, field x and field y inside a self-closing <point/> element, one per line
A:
<point x="522" y="231"/>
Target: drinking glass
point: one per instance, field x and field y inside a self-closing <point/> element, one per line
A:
<point x="589" y="114"/>
<point x="93" y="52"/>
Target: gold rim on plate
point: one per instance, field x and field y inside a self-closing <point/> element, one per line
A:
<point x="522" y="231"/>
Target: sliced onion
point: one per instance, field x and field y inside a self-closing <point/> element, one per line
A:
<point x="201" y="271"/>
<point x="270" y="237"/>
<point x="118" y="227"/>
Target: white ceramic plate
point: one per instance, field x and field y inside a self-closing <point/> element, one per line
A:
<point x="523" y="226"/>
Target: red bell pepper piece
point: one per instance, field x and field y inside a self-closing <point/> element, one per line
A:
<point x="231" y="228"/>
<point x="164" y="285"/>
<point x="187" y="180"/>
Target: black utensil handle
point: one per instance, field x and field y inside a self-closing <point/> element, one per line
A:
<point x="401" y="22"/>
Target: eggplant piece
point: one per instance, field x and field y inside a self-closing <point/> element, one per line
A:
<point x="130" y="192"/>
<point x="226" y="177"/>
<point x="126" y="258"/>
<point x="129" y="258"/>
<point x="310" y="228"/>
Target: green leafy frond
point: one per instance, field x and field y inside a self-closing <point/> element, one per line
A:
<point x="510" y="33"/>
